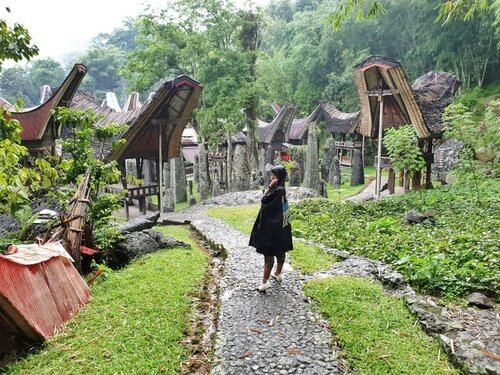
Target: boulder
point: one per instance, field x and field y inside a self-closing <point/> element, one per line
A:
<point x="480" y="300"/>
<point x="140" y="223"/>
<point x="414" y="217"/>
<point x="136" y="244"/>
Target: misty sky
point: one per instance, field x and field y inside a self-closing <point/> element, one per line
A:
<point x="60" y="27"/>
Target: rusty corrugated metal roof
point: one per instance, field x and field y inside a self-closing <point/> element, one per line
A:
<point x="37" y="299"/>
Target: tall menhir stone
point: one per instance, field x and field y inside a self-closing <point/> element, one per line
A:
<point x="205" y="184"/>
<point x="335" y="176"/>
<point x="311" y="177"/>
<point x="239" y="175"/>
<point x="357" y="169"/>
<point x="178" y="180"/>
<point x="327" y="158"/>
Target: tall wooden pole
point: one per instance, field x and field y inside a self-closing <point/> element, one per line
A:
<point x="378" y="183"/>
<point x="160" y="166"/>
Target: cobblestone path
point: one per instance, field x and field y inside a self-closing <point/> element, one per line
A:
<point x="262" y="333"/>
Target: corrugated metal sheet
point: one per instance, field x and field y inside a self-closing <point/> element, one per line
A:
<point x="36" y="300"/>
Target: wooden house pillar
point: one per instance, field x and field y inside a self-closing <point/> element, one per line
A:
<point x="123" y="178"/>
<point x="391" y="181"/>
<point x="428" y="167"/>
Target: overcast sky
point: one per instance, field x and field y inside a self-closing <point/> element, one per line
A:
<point x="59" y="27"/>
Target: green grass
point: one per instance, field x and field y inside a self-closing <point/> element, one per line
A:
<point x="181" y="205"/>
<point x="240" y="217"/>
<point x="346" y="190"/>
<point x="310" y="259"/>
<point x="377" y="331"/>
<point x="306" y="257"/>
<point x="134" y="323"/>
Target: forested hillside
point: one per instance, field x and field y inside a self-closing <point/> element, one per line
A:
<point x="287" y="52"/>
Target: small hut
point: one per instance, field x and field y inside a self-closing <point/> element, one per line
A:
<point x="388" y="100"/>
<point x="273" y="135"/>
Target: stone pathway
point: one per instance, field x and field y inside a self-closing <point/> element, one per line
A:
<point x="368" y="193"/>
<point x="261" y="333"/>
<point x="277" y="332"/>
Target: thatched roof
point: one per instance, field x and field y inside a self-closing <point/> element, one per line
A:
<point x="171" y="106"/>
<point x="39" y="128"/>
<point x="378" y="73"/>
<point x="298" y="129"/>
<point x="420" y="105"/>
<point x="337" y="121"/>
<point x="435" y="91"/>
<point x="269" y="132"/>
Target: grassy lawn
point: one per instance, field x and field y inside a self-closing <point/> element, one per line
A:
<point x="306" y="257"/>
<point x="376" y="330"/>
<point x="134" y="323"/>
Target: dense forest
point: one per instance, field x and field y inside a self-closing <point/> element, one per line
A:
<point x="287" y="52"/>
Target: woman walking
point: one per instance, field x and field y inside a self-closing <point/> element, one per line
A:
<point x="272" y="233"/>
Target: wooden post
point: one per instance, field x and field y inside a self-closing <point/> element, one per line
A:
<point x="392" y="181"/>
<point x="160" y="165"/>
<point x="378" y="185"/>
<point x="123" y="168"/>
<point x="380" y="93"/>
<point x="428" y="169"/>
<point x="363" y="150"/>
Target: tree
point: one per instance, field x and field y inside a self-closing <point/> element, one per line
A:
<point x="104" y="65"/>
<point x="16" y="181"/>
<point x="13" y="81"/>
<point x="211" y="41"/>
<point x="43" y="72"/>
<point x="122" y="37"/>
<point x="448" y="10"/>
<point x="15" y="42"/>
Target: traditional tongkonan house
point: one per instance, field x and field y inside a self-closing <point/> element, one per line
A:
<point x="299" y="127"/>
<point x="40" y="130"/>
<point x="387" y="100"/>
<point x="341" y="125"/>
<point x="154" y="133"/>
<point x="272" y="135"/>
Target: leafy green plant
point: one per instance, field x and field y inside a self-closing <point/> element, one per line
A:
<point x="480" y="139"/>
<point x="86" y="146"/>
<point x="17" y="182"/>
<point x="403" y="151"/>
<point x="454" y="256"/>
